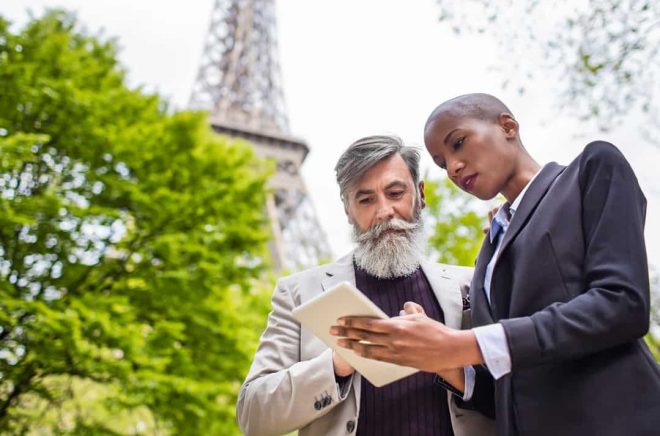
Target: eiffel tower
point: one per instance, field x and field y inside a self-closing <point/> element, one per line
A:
<point x="239" y="84"/>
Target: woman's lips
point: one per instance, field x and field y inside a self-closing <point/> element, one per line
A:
<point x="467" y="183"/>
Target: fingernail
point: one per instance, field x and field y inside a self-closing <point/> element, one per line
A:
<point x="341" y="321"/>
<point x="334" y="330"/>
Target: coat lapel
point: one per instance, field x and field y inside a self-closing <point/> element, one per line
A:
<point x="481" y="311"/>
<point x="447" y="292"/>
<point x="338" y="272"/>
<point x="534" y="194"/>
<point x="500" y="298"/>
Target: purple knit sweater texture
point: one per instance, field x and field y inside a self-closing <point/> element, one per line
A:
<point x="413" y="405"/>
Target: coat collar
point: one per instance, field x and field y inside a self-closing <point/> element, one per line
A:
<point x="447" y="291"/>
<point x="339" y="271"/>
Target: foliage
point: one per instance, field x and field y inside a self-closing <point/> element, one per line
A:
<point x="603" y="54"/>
<point x="130" y="240"/>
<point x="455" y="221"/>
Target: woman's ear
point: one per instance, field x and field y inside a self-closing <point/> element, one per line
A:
<point x="509" y="125"/>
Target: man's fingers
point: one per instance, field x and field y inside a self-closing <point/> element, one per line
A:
<point x="410" y="308"/>
<point x="493" y="212"/>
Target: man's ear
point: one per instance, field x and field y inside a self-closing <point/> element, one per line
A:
<point x="509" y="125"/>
<point x="422" y="196"/>
<point x="348" y="215"/>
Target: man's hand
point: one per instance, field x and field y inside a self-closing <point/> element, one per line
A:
<point x="342" y="368"/>
<point x="491" y="215"/>
<point x="409" y="340"/>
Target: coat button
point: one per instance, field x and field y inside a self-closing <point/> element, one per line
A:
<point x="327" y="400"/>
<point x="318" y="405"/>
<point x="350" y="426"/>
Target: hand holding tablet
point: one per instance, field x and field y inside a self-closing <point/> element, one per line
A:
<point x="322" y="312"/>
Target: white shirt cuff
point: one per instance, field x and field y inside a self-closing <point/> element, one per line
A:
<point x="495" y="349"/>
<point x="470" y="377"/>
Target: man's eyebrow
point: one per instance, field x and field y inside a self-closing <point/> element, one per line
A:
<point x="360" y="192"/>
<point x="392" y="184"/>
<point x="396" y="183"/>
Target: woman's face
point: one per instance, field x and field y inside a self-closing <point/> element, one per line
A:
<point x="479" y="156"/>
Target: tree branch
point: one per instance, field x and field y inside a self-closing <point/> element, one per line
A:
<point x="19" y="388"/>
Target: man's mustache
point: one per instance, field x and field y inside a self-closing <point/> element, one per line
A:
<point x="377" y="230"/>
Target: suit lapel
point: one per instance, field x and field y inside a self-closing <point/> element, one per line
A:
<point x="500" y="298"/>
<point x="447" y="292"/>
<point x="338" y="272"/>
<point x="534" y="194"/>
<point x="481" y="311"/>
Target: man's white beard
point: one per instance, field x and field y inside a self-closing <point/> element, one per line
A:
<point x="387" y="255"/>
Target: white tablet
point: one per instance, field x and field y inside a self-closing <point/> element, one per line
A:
<point x="322" y="312"/>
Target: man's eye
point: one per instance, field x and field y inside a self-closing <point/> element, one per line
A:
<point x="364" y="200"/>
<point x="396" y="194"/>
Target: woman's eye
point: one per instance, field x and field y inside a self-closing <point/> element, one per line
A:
<point x="458" y="142"/>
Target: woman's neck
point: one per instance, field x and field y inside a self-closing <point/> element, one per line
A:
<point x="525" y="171"/>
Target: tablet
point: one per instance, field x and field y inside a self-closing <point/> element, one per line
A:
<point x="322" y="312"/>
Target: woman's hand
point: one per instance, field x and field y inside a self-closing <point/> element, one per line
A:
<point x="412" y="340"/>
<point x="455" y="377"/>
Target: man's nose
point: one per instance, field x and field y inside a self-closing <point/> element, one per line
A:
<point x="385" y="211"/>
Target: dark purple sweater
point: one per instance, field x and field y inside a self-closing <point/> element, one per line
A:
<point x="413" y="405"/>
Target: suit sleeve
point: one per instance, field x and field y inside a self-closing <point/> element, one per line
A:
<point x="469" y="421"/>
<point x="614" y="307"/>
<point x="281" y="393"/>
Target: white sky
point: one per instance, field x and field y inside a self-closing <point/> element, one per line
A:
<point x="350" y="69"/>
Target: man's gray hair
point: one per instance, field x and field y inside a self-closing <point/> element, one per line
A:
<point x="365" y="153"/>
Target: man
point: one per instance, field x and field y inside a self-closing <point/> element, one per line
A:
<point x="296" y="381"/>
<point x="560" y="294"/>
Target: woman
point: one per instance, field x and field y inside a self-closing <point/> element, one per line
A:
<point x="560" y="293"/>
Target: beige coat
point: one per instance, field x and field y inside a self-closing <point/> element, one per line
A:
<point x="292" y="370"/>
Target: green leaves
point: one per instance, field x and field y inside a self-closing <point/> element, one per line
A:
<point x="130" y="244"/>
<point x="454" y="221"/>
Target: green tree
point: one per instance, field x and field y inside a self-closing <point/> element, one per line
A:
<point x="130" y="240"/>
<point x="600" y="55"/>
<point x="454" y="221"/>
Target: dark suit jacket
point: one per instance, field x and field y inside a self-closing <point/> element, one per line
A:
<point x="571" y="288"/>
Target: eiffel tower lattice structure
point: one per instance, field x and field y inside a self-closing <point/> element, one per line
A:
<point x="239" y="84"/>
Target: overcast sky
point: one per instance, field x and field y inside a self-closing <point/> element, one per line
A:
<point x="350" y="69"/>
